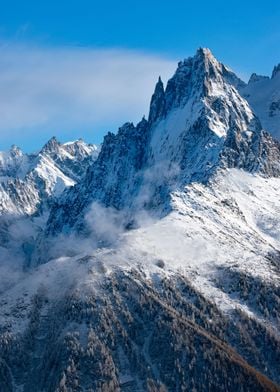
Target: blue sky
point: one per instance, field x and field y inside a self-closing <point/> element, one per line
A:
<point x="81" y="68"/>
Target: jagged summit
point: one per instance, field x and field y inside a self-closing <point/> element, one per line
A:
<point x="257" y="78"/>
<point x="199" y="115"/>
<point x="15" y="151"/>
<point x="71" y="150"/>
<point x="79" y="149"/>
<point x="12" y="163"/>
<point x="198" y="124"/>
<point x="52" y="145"/>
<point x="197" y="77"/>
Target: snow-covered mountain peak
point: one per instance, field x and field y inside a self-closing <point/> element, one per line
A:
<point x="13" y="163"/>
<point x="256" y="78"/>
<point x="205" y="53"/>
<point x="15" y="151"/>
<point x="80" y="149"/>
<point x="197" y="124"/>
<point x="196" y="115"/>
<point x="52" y="146"/>
<point x="197" y="77"/>
<point x="205" y="61"/>
<point x="77" y="149"/>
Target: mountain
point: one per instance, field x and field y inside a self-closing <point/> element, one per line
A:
<point x="196" y="125"/>
<point x="29" y="181"/>
<point x="29" y="185"/>
<point x="158" y="270"/>
<point x="12" y="163"/>
<point x="263" y="94"/>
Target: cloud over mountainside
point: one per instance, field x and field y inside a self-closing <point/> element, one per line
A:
<point x="70" y="87"/>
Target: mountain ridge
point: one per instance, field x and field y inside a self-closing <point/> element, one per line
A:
<point x="48" y="172"/>
<point x="198" y="123"/>
<point x="158" y="270"/>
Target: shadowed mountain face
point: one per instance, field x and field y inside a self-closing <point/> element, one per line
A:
<point x="156" y="258"/>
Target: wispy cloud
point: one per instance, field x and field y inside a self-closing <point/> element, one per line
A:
<point x="71" y="87"/>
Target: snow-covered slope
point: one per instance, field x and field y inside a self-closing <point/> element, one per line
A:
<point x="263" y="94"/>
<point x="198" y="287"/>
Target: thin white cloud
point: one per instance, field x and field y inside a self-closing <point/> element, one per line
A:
<point x="74" y="87"/>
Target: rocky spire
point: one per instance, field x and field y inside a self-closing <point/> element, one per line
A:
<point x="51" y="146"/>
<point x="157" y="106"/>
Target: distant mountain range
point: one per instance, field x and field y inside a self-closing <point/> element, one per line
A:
<point x="150" y="263"/>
